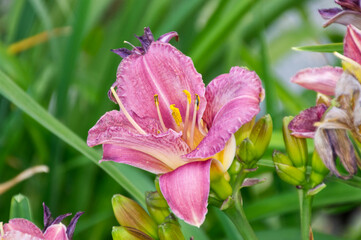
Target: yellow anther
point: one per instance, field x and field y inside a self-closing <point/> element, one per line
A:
<point x="188" y="94"/>
<point x="176" y="114"/>
<point x="197" y="101"/>
<point x="156" y="99"/>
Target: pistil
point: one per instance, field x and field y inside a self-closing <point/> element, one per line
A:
<point x="127" y="115"/>
<point x="159" y="113"/>
<point x="195" y="110"/>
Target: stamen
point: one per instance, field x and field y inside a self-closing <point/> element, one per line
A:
<point x="176" y="114"/>
<point x="158" y="111"/>
<point x="134" y="47"/>
<point x="189" y="99"/>
<point x="196" y="107"/>
<point x="130" y="119"/>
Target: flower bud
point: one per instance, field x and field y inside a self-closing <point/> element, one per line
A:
<point x="234" y="168"/>
<point x="319" y="170"/>
<point x="130" y="214"/>
<point x="219" y="182"/>
<point x="126" y="233"/>
<point x="246" y="152"/>
<point x="286" y="171"/>
<point x="244" y="131"/>
<point x="170" y="229"/>
<point x="261" y="135"/>
<point x="156" y="183"/>
<point x="296" y="147"/>
<point x="157" y="206"/>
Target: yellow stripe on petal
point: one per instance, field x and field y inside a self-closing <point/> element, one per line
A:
<point x="176" y="114"/>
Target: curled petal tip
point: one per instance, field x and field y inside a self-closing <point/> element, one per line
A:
<point x="168" y="36"/>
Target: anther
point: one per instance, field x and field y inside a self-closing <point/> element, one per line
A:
<point x="176" y="114"/>
<point x="130" y="119"/>
<point x="156" y="100"/>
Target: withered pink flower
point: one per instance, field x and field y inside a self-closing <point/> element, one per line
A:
<point x="19" y="228"/>
<point x="170" y="124"/>
<point x="349" y="13"/>
<point x="331" y="134"/>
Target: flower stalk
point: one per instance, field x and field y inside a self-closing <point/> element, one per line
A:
<point x="305" y="201"/>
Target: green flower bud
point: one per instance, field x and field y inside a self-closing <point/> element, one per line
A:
<point x="170" y="229"/>
<point x="247" y="152"/>
<point x="286" y="171"/>
<point x="126" y="233"/>
<point x="157" y="206"/>
<point x="319" y="170"/>
<point x="156" y="183"/>
<point x="244" y="131"/>
<point x="219" y="181"/>
<point x="261" y="135"/>
<point x="131" y="214"/>
<point x="234" y="168"/>
<point x="296" y="147"/>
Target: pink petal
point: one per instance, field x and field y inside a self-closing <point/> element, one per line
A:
<point x="168" y="36"/>
<point x="163" y="70"/>
<point x="321" y="79"/>
<point x="186" y="190"/>
<point x="346" y="17"/>
<point x="232" y="100"/>
<point x="303" y="124"/>
<point x="166" y="148"/>
<point x="352" y="44"/>
<point x="23" y="226"/>
<point x="56" y="232"/>
<point x="112" y="152"/>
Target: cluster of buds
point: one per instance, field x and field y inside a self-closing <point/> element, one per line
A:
<point x="136" y="223"/>
<point x="292" y="167"/>
<point x="252" y="141"/>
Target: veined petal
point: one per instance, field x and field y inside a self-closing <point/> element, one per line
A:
<point x="135" y="158"/>
<point x="352" y="44"/>
<point x="303" y="124"/>
<point x="113" y="128"/>
<point x="56" y="232"/>
<point x="186" y="190"/>
<point x="321" y="79"/>
<point x="232" y="100"/>
<point x="23" y="228"/>
<point x="165" y="71"/>
<point x="345" y="17"/>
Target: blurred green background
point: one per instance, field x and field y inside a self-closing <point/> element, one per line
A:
<point x="68" y="69"/>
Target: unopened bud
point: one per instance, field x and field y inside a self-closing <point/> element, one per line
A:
<point x="219" y="182"/>
<point x="286" y="171"/>
<point x="261" y="135"/>
<point x="246" y="152"/>
<point x="170" y="229"/>
<point x="131" y="214"/>
<point x="156" y="183"/>
<point x="244" y="131"/>
<point x="319" y="170"/>
<point x="234" y="168"/>
<point x="157" y="206"/>
<point x="126" y="233"/>
<point x="296" y="147"/>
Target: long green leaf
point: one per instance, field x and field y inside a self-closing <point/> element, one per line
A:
<point x="16" y="95"/>
<point x="331" y="47"/>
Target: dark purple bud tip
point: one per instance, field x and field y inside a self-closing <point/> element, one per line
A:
<point x="122" y="52"/>
<point x="71" y="227"/>
<point x="47" y="217"/>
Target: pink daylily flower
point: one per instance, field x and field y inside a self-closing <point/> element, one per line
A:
<point x="170" y="124"/>
<point x="19" y="228"/>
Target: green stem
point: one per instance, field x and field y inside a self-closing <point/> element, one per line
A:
<point x="305" y="213"/>
<point x="236" y="213"/>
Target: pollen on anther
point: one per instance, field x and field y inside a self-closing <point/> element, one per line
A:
<point x="188" y="94"/>
<point x="176" y="114"/>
